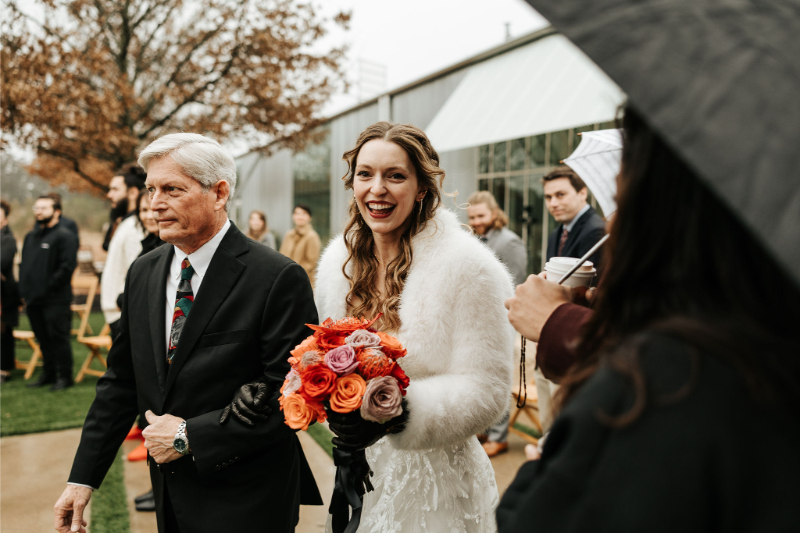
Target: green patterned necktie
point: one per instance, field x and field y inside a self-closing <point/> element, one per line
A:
<point x="183" y="304"/>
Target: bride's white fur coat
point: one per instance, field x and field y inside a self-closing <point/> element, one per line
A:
<point x="454" y="326"/>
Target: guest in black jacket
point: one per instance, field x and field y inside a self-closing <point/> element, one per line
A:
<point x="9" y="318"/>
<point x="580" y="227"/>
<point x="682" y="411"/>
<point x="49" y="257"/>
<point x="66" y="223"/>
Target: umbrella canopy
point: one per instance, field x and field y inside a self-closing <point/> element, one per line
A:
<point x="720" y="81"/>
<point x="597" y="161"/>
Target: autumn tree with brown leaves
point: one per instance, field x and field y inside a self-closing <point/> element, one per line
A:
<point x="91" y="82"/>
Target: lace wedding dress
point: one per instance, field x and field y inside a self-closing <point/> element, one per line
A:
<point x="430" y="491"/>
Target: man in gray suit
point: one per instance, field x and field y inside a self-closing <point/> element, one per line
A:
<point x="489" y="223"/>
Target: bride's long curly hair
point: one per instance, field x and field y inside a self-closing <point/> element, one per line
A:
<point x="358" y="236"/>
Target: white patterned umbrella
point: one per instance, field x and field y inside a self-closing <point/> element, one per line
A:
<point x="597" y="161"/>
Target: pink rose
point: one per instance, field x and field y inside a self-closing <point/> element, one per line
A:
<point x="362" y="338"/>
<point x="292" y="383"/>
<point x="342" y="360"/>
<point x="382" y="400"/>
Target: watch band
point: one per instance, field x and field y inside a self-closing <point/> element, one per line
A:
<point x="181" y="436"/>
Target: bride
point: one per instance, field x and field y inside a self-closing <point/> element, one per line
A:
<point x="441" y="293"/>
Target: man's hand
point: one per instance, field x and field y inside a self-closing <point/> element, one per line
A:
<point x="533" y="303"/>
<point x="159" y="436"/>
<point x="69" y="509"/>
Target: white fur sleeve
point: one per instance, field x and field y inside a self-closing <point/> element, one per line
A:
<point x="474" y="391"/>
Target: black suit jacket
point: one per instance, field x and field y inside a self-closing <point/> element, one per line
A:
<point x="588" y="229"/>
<point x="250" y="311"/>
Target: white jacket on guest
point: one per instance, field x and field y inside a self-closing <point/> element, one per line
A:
<point x="454" y="326"/>
<point x="124" y="248"/>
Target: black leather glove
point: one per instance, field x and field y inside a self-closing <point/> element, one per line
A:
<point x="353" y="433"/>
<point x="249" y="403"/>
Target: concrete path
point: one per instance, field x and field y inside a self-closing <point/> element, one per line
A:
<point x="33" y="473"/>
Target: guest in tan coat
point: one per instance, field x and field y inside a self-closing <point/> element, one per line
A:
<point x="302" y="244"/>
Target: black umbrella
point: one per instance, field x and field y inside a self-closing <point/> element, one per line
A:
<point x="720" y="81"/>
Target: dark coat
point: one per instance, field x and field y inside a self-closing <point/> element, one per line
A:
<point x="588" y="229"/>
<point x="250" y="312"/>
<point x="70" y="225"/>
<point x="49" y="258"/>
<point x="9" y="289"/>
<point x="712" y="459"/>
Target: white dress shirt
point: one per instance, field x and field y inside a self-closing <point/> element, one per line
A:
<point x="199" y="260"/>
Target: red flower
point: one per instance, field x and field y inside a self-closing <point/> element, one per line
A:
<point x="401" y="378"/>
<point x="318" y="383"/>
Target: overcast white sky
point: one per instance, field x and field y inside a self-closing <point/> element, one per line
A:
<point x="413" y="38"/>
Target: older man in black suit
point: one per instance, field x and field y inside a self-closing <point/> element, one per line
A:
<point x="580" y="227"/>
<point x="201" y="318"/>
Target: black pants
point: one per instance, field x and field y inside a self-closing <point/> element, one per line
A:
<point x="7" y="360"/>
<point x="51" y="325"/>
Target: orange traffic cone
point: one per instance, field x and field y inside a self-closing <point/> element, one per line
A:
<point x="135" y="434"/>
<point x="138" y="454"/>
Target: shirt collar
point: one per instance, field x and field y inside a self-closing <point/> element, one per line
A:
<point x="201" y="258"/>
<point x="574" y="221"/>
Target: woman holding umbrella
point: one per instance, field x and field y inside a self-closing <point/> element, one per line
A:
<point x="694" y="338"/>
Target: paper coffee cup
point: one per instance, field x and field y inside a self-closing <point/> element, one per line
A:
<point x="558" y="266"/>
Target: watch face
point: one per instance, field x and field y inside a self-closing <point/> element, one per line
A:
<point x="179" y="445"/>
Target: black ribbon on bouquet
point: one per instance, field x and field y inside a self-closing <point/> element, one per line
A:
<point x="352" y="482"/>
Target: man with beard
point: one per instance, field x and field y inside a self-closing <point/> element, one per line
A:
<point x="48" y="261"/>
<point x="123" y="247"/>
<point x="123" y="192"/>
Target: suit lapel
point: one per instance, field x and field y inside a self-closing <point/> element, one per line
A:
<point x="574" y="235"/>
<point x="157" y="298"/>
<point x="222" y="273"/>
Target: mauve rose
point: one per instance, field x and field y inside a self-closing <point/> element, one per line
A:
<point x="382" y="400"/>
<point x="292" y="383"/>
<point x="342" y="360"/>
<point x="362" y="338"/>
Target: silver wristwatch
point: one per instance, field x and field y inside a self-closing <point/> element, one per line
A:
<point x="181" y="442"/>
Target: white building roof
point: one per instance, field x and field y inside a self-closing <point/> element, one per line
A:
<point x="547" y="85"/>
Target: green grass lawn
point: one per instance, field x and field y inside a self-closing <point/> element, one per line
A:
<point x="27" y="410"/>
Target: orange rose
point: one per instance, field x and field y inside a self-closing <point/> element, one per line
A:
<point x="318" y="383"/>
<point x="347" y="395"/>
<point x="391" y="346"/>
<point x="308" y="345"/>
<point x="296" y="412"/>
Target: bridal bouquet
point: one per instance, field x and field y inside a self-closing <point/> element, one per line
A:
<point x="349" y="365"/>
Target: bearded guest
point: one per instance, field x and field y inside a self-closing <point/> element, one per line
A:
<point x="202" y="316"/>
<point x="301" y="244"/>
<point x="124" y="246"/>
<point x="49" y="258"/>
<point x="441" y="294"/>
<point x="489" y="222"/>
<point x="123" y="190"/>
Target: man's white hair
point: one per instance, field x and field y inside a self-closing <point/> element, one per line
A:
<point x="201" y="158"/>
